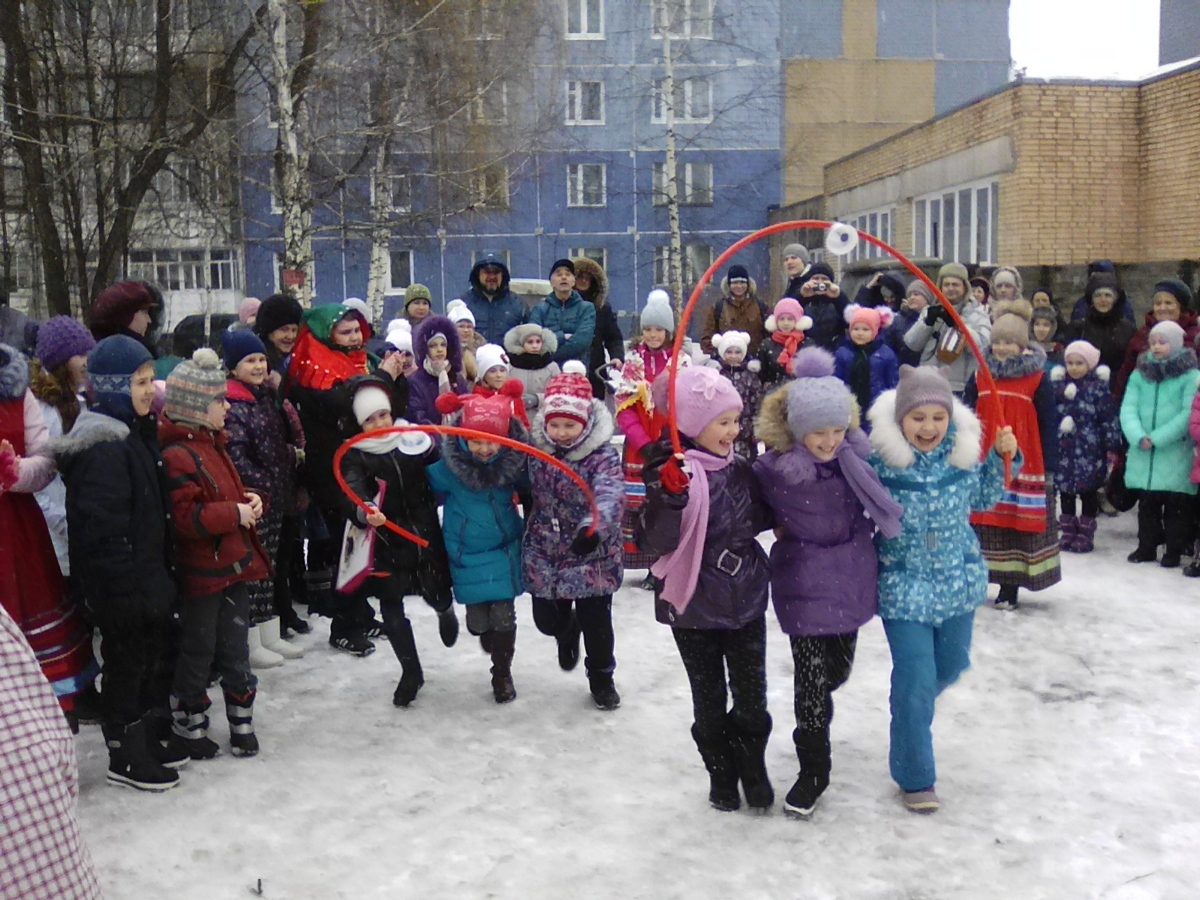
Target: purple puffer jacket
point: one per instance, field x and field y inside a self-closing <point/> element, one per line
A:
<point x="261" y="443"/>
<point x="423" y="394"/>
<point x="560" y="509"/>
<point x="731" y="590"/>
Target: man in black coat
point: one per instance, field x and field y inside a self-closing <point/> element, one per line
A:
<point x="608" y="343"/>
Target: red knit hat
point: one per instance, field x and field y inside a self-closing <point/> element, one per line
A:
<point x="492" y="415"/>
<point x="569" y="395"/>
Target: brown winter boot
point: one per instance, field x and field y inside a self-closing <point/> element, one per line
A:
<point x="503" y="644"/>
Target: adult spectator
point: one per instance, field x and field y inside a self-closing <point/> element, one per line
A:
<point x="739" y="309"/>
<point x="935" y="336"/>
<point x="1103" y="326"/>
<point x="12" y="324"/>
<point x="1103" y="267"/>
<point x="912" y="306"/>
<point x="278" y="325"/>
<point x="981" y="290"/>
<point x="248" y="311"/>
<point x="568" y="315"/>
<point x="130" y="308"/>
<point x="495" y="307"/>
<point x="795" y="262"/>
<point x="823" y="303"/>
<point x="1172" y="302"/>
<point x="608" y="343"/>
<point x="884" y="289"/>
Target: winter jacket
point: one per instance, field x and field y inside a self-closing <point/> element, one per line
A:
<point x="259" y="440"/>
<point x="215" y="552"/>
<point x="53" y="497"/>
<point x="1158" y="404"/>
<point x="533" y="371"/>
<point x="494" y="316"/>
<point x="1108" y="332"/>
<point x="823" y="565"/>
<point x="749" y="314"/>
<point x="560" y="510"/>
<point x="923" y="338"/>
<point x="750" y="388"/>
<point x="827" y="314"/>
<point x="1140" y="343"/>
<point x="119" y="515"/>
<point x="480" y="522"/>
<point x="423" y="392"/>
<point x="608" y="342"/>
<point x="573" y="323"/>
<point x="1089" y="429"/>
<point x="868" y="370"/>
<point x="630" y="423"/>
<point x="1194" y="431"/>
<point x="894" y="334"/>
<point x="934" y="570"/>
<point x="731" y="589"/>
<point x="771" y="373"/>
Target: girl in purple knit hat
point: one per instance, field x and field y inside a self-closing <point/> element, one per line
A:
<point x="701" y="518"/>
<point x="828" y="503"/>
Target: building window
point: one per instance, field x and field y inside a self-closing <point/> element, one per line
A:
<point x="400" y="271"/>
<point x="484" y="20"/>
<point x="598" y="255"/>
<point x="958" y="223"/>
<point x="875" y="222"/>
<point x="490" y="104"/>
<point x="586" y="184"/>
<point x="694" y="184"/>
<point x="682" y="18"/>
<point x="585" y="20"/>
<point x="16" y="270"/>
<point x="185" y="270"/>
<point x="185" y="183"/>
<point x="696" y="259"/>
<point x="585" y="103"/>
<point x="692" y="101"/>
<point x="397" y="193"/>
<point x="490" y="186"/>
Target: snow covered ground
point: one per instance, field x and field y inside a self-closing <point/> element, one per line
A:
<point x="1067" y="758"/>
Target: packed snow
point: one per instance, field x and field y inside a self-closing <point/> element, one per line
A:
<point x="1067" y="768"/>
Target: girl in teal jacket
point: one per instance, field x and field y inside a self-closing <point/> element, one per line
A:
<point x="476" y="480"/>
<point x="1154" y="418"/>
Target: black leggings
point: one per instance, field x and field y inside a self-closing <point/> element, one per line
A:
<point x="823" y="664"/>
<point x="553" y="617"/>
<point x="1091" y="503"/>
<point x="705" y="653"/>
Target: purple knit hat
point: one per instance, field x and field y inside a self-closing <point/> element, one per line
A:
<point x="701" y="394"/>
<point x="60" y="339"/>
<point x="816" y="398"/>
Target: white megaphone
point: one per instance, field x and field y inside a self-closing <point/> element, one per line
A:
<point x="842" y="239"/>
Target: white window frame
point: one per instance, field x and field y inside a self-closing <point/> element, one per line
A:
<point x="391" y="289"/>
<point x="390" y="183"/>
<point x="575" y="104"/>
<point x="981" y="228"/>
<point x="685" y="177"/>
<point x="577" y="183"/>
<point x="586" y="33"/>
<point x="696" y="17"/>
<point x="879" y="222"/>
<point x="489" y="28"/>
<point x="598" y="255"/>
<point x="691" y="269"/>
<point x="185" y="268"/>
<point x="482" y="107"/>
<point x="686" y="100"/>
<point x="483" y="198"/>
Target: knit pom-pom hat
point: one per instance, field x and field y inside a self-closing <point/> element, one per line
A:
<point x="701" y="395"/>
<point x="816" y="398"/>
<point x="192" y="386"/>
<point x="60" y="339"/>
<point x="875" y="319"/>
<point x="491" y="415"/>
<point x="657" y="312"/>
<point x="730" y="339"/>
<point x="569" y="394"/>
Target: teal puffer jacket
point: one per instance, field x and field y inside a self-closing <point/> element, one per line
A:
<point x="576" y="317"/>
<point x="1158" y="404"/>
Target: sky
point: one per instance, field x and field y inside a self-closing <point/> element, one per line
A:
<point x="1084" y="38"/>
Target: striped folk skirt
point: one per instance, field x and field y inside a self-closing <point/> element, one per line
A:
<point x="1021" y="558"/>
<point x="635" y="498"/>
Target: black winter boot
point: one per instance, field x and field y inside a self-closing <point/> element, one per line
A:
<point x="749" y="754"/>
<point x="717" y="753"/>
<point x="504" y="644"/>
<point x="166" y="747"/>
<point x="448" y="626"/>
<point x="318" y="589"/>
<point x="604" y="692"/>
<point x="129" y="761"/>
<point x="812" y="749"/>
<point x="568" y="644"/>
<point x="239" y="710"/>
<point x="404" y="645"/>
<point x="191" y="726"/>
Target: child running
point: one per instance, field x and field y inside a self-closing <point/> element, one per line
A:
<point x="476" y="480"/>
<point x="714" y="581"/>
<point x="402" y="568"/>
<point x="731" y="349"/>
<point x="572" y="574"/>
<point x="932" y="576"/>
<point x="1089" y="439"/>
<point x="827" y="502"/>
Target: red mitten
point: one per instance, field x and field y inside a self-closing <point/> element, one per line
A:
<point x="10" y="467"/>
<point x="448" y="403"/>
<point x="512" y="388"/>
<point x="673" y="476"/>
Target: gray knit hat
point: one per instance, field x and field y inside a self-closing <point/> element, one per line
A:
<point x="816" y="398"/>
<point x="192" y="386"/>
<point x="796" y="250"/>
<point x="1171" y="332"/>
<point x="918" y="387"/>
<point x="920" y="287"/>
<point x="657" y="312"/>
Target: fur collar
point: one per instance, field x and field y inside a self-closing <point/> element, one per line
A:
<point x="597" y="435"/>
<point x="771" y="426"/>
<point x="751" y="296"/>
<point x="966" y="435"/>
<point x="505" y="469"/>
<point x="90" y="429"/>
<point x="1156" y="370"/>
<point x="529" y="362"/>
<point x="1032" y="360"/>
<point x="14" y="375"/>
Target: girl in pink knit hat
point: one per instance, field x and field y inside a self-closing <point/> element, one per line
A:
<point x="786" y="325"/>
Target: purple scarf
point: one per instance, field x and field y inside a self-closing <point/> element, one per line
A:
<point x="680" y="569"/>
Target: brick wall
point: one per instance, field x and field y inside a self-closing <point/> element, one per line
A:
<point x="1170" y="156"/>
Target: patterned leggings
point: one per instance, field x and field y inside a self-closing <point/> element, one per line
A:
<point x="706" y="652"/>
<point x="823" y="664"/>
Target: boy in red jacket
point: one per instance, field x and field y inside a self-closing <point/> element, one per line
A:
<point x="218" y="553"/>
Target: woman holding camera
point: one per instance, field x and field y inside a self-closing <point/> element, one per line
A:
<point x="824" y="304"/>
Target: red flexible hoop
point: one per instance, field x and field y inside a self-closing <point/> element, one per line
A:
<point x="469" y="434"/>
<point x="983" y="372"/>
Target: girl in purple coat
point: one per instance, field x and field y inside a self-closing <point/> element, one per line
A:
<point x="438" y="350"/>
<point x="702" y="524"/>
<point x="572" y="575"/>
<point x="827" y="502"/>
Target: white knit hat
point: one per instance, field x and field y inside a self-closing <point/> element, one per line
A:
<point x="369" y="400"/>
<point x="731" y="339"/>
<point x="657" y="312"/>
<point x="457" y="312"/>
<point x="399" y="335"/>
<point x="359" y="304"/>
<point x="488" y="357"/>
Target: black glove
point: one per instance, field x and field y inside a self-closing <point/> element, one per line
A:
<point x="585" y="543"/>
<point x="674" y="501"/>
<point x="933" y="313"/>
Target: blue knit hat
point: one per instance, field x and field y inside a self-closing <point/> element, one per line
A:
<point x="238" y="343"/>
<point x="111" y="366"/>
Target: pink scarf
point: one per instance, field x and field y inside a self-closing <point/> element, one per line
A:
<point x="680" y="569"/>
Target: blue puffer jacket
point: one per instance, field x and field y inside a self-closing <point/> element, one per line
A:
<point x="480" y="523"/>
<point x="576" y="318"/>
<point x="494" y="316"/>
<point x="882" y="369"/>
<point x="934" y="570"/>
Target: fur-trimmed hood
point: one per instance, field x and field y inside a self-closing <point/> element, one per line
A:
<point x="1156" y="370"/>
<point x="598" y="435"/>
<point x="751" y="294"/>
<point x="771" y="426"/>
<point x="598" y="295"/>
<point x="965" y="436"/>
<point x="515" y="338"/>
<point x="90" y="429"/>
<point x="430" y="326"/>
<point x="14" y="373"/>
<point x="506" y="468"/>
<point x="1032" y="360"/>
